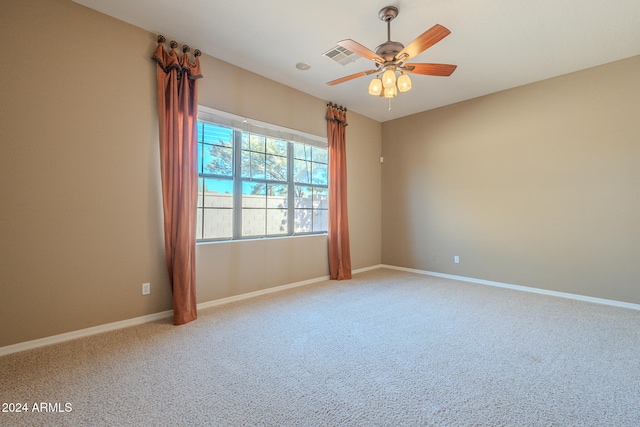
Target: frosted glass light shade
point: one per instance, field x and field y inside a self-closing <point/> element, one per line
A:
<point x="389" y="78"/>
<point x="390" y="92"/>
<point x="404" y="83"/>
<point x="375" y="87"/>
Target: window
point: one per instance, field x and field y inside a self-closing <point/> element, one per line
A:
<point x="252" y="185"/>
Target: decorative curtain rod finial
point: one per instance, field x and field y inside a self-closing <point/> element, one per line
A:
<point x="174" y="44"/>
<point x="337" y="107"/>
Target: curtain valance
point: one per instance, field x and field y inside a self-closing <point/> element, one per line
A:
<point x="173" y="61"/>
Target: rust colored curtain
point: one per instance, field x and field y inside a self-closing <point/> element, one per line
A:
<point x="338" y="233"/>
<point x="177" y="115"/>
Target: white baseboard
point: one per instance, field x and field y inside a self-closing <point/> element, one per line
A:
<point x="248" y="295"/>
<point x="55" y="339"/>
<point x="578" y="297"/>
<point x="254" y="294"/>
<point x="362" y="270"/>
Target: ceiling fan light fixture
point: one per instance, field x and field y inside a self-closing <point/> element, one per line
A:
<point x="375" y="87"/>
<point x="389" y="78"/>
<point x="391" y="57"/>
<point x="404" y="83"/>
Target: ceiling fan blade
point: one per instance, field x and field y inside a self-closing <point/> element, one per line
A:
<point x="430" y="69"/>
<point x="424" y="41"/>
<point x="361" y="50"/>
<point x="350" y="77"/>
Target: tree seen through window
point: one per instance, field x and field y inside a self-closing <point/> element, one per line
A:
<point x="258" y="186"/>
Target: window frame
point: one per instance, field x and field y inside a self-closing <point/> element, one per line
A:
<point x="242" y="126"/>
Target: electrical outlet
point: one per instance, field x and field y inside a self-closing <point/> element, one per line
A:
<point x="146" y="288"/>
<point x="456" y="259"/>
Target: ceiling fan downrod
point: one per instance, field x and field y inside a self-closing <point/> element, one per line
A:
<point x="387" y="14"/>
<point x="388" y="49"/>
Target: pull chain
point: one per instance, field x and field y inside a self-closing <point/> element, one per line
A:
<point x="389" y="104"/>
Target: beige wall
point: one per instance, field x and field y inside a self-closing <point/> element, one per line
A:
<point x="81" y="205"/>
<point x="535" y="186"/>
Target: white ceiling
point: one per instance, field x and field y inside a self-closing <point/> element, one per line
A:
<point x="497" y="44"/>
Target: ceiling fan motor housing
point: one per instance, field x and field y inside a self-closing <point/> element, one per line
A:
<point x="389" y="50"/>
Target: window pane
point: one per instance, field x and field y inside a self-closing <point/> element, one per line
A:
<point x="258" y="165"/>
<point x="303" y="220"/>
<point x="303" y="209"/>
<point x="254" y="195"/>
<point x="199" y="156"/>
<point x="319" y="175"/>
<point x="303" y="197"/>
<point x="218" y="193"/>
<point x="320" y="198"/>
<point x="219" y="135"/>
<point x="254" y="143"/>
<point x="277" y="196"/>
<point x="200" y="192"/>
<point x="276" y="146"/>
<point x="277" y="221"/>
<point x="217" y="160"/>
<point x="218" y="223"/>
<point x="301" y="151"/>
<point x="254" y="222"/>
<point x="301" y="171"/>
<point x="319" y="155"/>
<point x="253" y="165"/>
<point x="276" y="168"/>
<point x="321" y="220"/>
<point x="310" y="209"/>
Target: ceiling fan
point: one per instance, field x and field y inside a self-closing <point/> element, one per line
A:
<point x="390" y="57"/>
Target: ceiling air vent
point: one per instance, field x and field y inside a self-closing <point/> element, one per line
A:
<point x="341" y="55"/>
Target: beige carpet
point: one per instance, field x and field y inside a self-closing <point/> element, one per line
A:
<point x="387" y="348"/>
